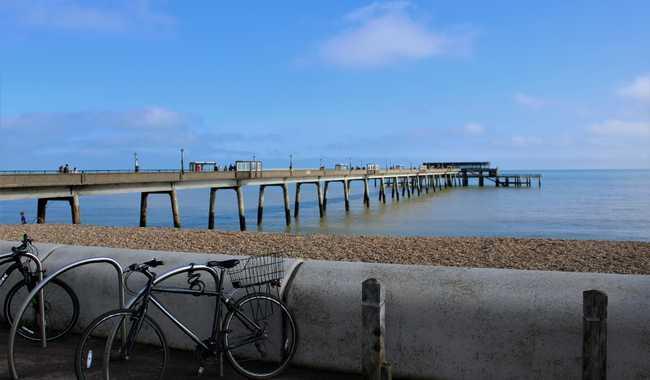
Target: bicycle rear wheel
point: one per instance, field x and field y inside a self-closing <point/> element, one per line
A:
<point x="260" y="336"/>
<point x="121" y="345"/>
<point x="61" y="310"/>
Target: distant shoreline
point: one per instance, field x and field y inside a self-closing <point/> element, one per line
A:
<point x="625" y="257"/>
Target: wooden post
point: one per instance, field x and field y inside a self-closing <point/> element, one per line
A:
<point x="408" y="185"/>
<point x="594" y="343"/>
<point x="41" y="210"/>
<point x="287" y="209"/>
<point x="260" y="205"/>
<point x="74" y="208"/>
<point x="373" y="329"/>
<point x="321" y="206"/>
<point x="346" y="194"/>
<point x="480" y="179"/>
<point x="211" y="207"/>
<point x="240" y="204"/>
<point x="143" y="209"/>
<point x="175" y="214"/>
<point x="366" y="193"/>
<point x="382" y="190"/>
<point x="325" y="195"/>
<point x="296" y="205"/>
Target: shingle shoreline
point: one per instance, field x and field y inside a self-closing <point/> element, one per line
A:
<point x="628" y="257"/>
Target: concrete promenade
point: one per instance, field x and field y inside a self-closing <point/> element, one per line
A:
<point x="69" y="187"/>
<point x="56" y="362"/>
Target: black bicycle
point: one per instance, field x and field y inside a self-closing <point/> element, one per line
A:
<point x="258" y="334"/>
<point x="61" y="305"/>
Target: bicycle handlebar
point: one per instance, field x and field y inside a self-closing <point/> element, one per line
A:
<point x="135" y="267"/>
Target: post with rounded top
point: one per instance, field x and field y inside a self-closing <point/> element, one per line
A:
<point x="372" y="329"/>
<point x="594" y="344"/>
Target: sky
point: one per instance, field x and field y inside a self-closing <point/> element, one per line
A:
<point x="525" y="85"/>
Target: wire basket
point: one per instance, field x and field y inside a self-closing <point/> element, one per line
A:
<point x="257" y="271"/>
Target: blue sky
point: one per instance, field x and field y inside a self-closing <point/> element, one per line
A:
<point x="551" y="84"/>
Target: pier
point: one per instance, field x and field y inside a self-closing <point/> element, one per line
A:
<point x="69" y="187"/>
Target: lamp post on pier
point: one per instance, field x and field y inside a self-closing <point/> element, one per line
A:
<point x="182" y="160"/>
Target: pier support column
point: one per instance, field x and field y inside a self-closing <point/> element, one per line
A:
<point x="465" y="179"/>
<point x="346" y="194"/>
<point x="382" y="190"/>
<point x="143" y="209"/>
<point x="260" y="205"/>
<point x="321" y="205"/>
<point x="408" y="186"/>
<point x="366" y="193"/>
<point x="242" y="210"/>
<point x="74" y="208"/>
<point x="325" y="195"/>
<point x="212" y="207"/>
<point x="296" y="204"/>
<point x="173" y="198"/>
<point x="287" y="209"/>
<point x="480" y="179"/>
<point x="41" y="209"/>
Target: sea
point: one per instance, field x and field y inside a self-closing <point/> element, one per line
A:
<point x="570" y="204"/>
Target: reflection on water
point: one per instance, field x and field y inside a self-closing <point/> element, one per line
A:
<point x="571" y="204"/>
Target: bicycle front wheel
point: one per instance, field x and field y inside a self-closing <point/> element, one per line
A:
<point x="121" y="345"/>
<point x="260" y="336"/>
<point x="61" y="310"/>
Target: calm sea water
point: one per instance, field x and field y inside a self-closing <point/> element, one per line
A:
<point x="586" y="204"/>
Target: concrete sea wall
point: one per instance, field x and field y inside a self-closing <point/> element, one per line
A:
<point x="441" y="322"/>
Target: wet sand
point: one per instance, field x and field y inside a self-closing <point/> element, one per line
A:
<point x="516" y="253"/>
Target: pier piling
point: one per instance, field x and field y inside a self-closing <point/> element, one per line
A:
<point x="296" y="204"/>
<point x="260" y="205"/>
<point x="212" y="207"/>
<point x="346" y="194"/>
<point x="240" y="204"/>
<point x="287" y="210"/>
<point x="173" y="198"/>
<point x="366" y="193"/>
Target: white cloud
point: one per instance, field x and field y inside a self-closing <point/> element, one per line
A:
<point x="384" y="33"/>
<point x="529" y="101"/>
<point x="619" y="128"/>
<point x="638" y="89"/>
<point x="473" y="129"/>
<point x="77" y="15"/>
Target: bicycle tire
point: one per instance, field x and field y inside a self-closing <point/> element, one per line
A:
<point x="101" y="336"/>
<point x="248" y="358"/>
<point x="56" y="316"/>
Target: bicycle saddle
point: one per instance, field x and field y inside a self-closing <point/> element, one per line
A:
<point x="225" y="264"/>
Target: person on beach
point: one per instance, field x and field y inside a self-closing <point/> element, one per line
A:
<point x="23" y="220"/>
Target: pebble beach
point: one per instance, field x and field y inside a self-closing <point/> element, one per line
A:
<point x="626" y="257"/>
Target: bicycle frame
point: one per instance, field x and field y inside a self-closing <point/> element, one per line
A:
<point x="16" y="265"/>
<point x="15" y="256"/>
<point x="147" y="295"/>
